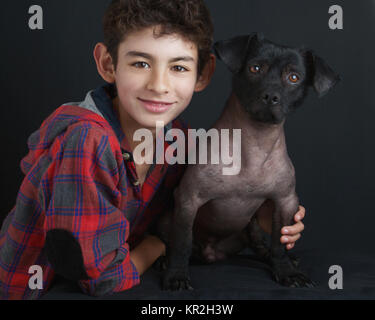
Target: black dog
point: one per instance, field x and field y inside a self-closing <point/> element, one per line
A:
<point x="269" y="82"/>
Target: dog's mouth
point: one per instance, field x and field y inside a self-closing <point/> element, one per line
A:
<point x="273" y="115"/>
<point x="267" y="119"/>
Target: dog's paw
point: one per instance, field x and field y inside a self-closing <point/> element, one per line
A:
<point x="160" y="264"/>
<point x="293" y="279"/>
<point x="284" y="272"/>
<point x="176" y="279"/>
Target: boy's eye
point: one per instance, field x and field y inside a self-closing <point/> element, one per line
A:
<point x="179" y="69"/>
<point x="141" y="65"/>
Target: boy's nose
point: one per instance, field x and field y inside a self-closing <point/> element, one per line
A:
<point x="158" y="82"/>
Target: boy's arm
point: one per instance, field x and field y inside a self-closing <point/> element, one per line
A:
<point x="146" y="253"/>
<point x="81" y="198"/>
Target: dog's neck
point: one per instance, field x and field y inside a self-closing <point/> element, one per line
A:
<point x="255" y="135"/>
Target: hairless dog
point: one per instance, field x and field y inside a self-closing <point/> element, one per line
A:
<point x="214" y="214"/>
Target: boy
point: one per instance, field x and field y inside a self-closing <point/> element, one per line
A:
<point x="85" y="205"/>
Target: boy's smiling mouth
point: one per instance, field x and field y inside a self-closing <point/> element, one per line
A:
<point x="156" y="106"/>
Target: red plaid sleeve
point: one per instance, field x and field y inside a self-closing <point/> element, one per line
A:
<point x="87" y="189"/>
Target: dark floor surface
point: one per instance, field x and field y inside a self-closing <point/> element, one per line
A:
<point x="243" y="278"/>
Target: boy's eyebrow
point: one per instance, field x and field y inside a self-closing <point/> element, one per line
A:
<point x="150" y="57"/>
<point x="139" y="54"/>
<point x="185" y="58"/>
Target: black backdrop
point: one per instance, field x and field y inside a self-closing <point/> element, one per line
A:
<point x="330" y="140"/>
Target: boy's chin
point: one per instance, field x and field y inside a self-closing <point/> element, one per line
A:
<point x="155" y="122"/>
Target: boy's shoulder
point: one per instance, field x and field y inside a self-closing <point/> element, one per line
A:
<point x="73" y="114"/>
<point x="70" y="127"/>
<point x="85" y="114"/>
<point x="70" y="118"/>
<point x="68" y="122"/>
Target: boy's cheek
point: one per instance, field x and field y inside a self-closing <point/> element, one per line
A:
<point x="186" y="87"/>
<point x="129" y="85"/>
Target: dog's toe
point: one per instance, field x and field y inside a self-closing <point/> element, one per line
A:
<point x="295" y="280"/>
<point x="302" y="280"/>
<point x="176" y="280"/>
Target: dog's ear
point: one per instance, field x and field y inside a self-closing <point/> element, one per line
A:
<point x="233" y="52"/>
<point x="322" y="77"/>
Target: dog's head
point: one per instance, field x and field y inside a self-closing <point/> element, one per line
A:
<point x="272" y="80"/>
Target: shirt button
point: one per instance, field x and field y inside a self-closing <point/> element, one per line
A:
<point x="126" y="156"/>
<point x="136" y="183"/>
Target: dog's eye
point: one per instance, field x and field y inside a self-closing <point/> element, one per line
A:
<point x="255" y="68"/>
<point x="293" y="78"/>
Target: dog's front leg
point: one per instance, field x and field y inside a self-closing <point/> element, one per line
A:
<point x="176" y="277"/>
<point x="284" y="271"/>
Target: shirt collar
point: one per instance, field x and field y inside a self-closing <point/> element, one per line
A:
<point x="102" y="97"/>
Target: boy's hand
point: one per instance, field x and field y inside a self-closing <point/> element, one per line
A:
<point x="292" y="233"/>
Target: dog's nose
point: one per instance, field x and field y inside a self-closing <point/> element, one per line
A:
<point x="271" y="98"/>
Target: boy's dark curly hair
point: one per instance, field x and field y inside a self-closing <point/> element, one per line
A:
<point x="188" y="18"/>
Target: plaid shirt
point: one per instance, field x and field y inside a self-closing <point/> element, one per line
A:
<point x="80" y="177"/>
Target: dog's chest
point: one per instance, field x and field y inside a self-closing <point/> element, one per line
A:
<point x="264" y="176"/>
<point x="233" y="207"/>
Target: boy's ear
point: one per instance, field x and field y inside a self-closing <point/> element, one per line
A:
<point x="322" y="77"/>
<point x="207" y="73"/>
<point x="104" y="63"/>
<point x="233" y="52"/>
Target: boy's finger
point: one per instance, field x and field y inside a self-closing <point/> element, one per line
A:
<point x="300" y="214"/>
<point x="293" y="230"/>
<point x="290" y="239"/>
<point x="290" y="246"/>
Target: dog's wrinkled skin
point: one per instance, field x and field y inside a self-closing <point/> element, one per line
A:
<point x="215" y="211"/>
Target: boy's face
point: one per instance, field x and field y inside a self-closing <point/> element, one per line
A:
<point x="155" y="77"/>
